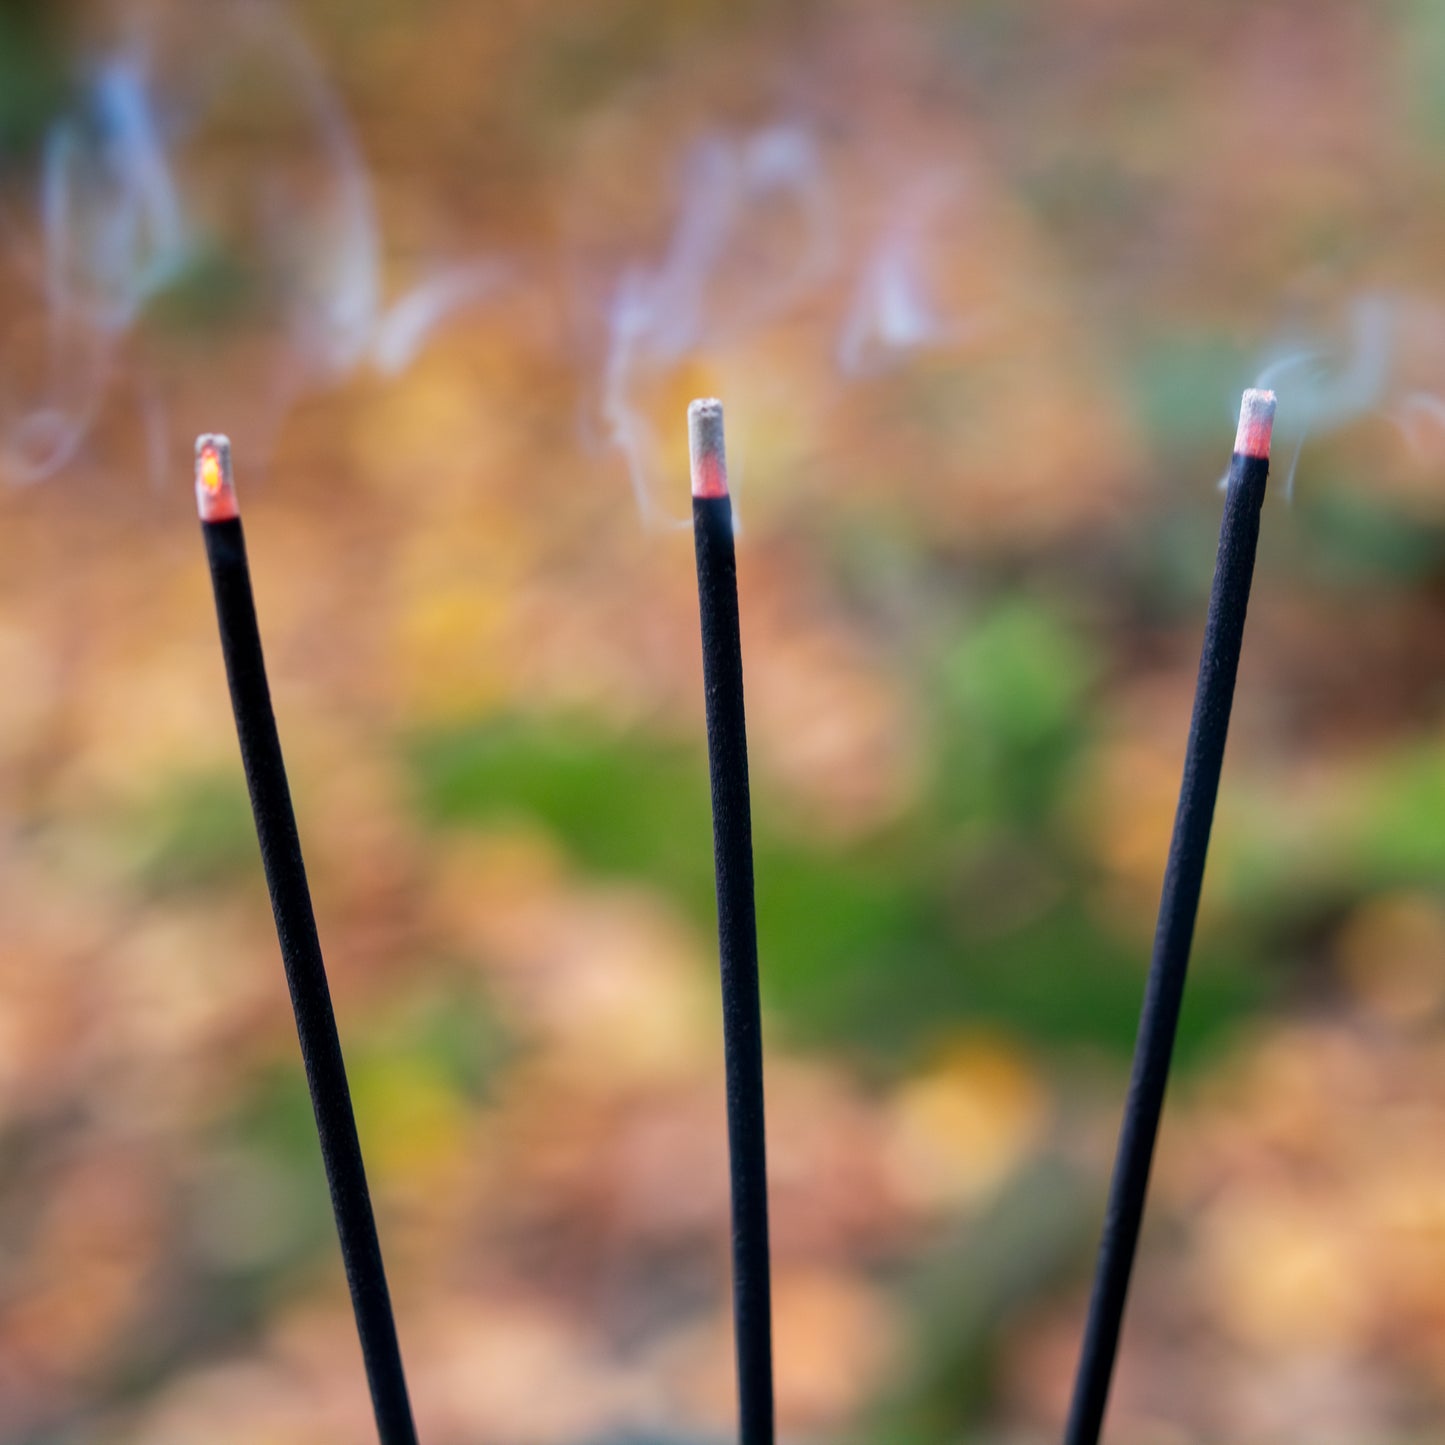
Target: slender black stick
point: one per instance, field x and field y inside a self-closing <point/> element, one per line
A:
<point x="1178" y="906"/>
<point x="300" y="947"/>
<point x="727" y="745"/>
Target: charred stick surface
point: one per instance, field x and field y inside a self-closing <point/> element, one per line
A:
<point x="1178" y="906"/>
<point x="737" y="926"/>
<point x="300" y="947"/>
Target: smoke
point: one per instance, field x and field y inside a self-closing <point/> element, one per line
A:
<point x="207" y="171"/>
<point x="761" y="232"/>
<point x="895" y="310"/>
<point x="1371" y="364"/>
<point x="206" y="188"/>
<point x="114" y="226"/>
<point x="735" y="191"/>
<point x="1325" y="385"/>
<point x="141" y="191"/>
<point x="111" y="233"/>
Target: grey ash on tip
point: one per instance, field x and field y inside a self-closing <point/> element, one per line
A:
<point x="707" y="448"/>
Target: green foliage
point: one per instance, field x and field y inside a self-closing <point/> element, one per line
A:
<point x="272" y="1128"/>
<point x="1028" y="1241"/>
<point x="212" y="288"/>
<point x="1086" y="194"/>
<point x="33" y="87"/>
<point x="454" y="1038"/>
<point x="1172" y="374"/>
<point x="630" y="807"/>
<point x="1352" y="539"/>
<point x="1421" y="51"/>
<point x="1010" y="693"/>
<point x="623" y="806"/>
<point x="877" y="948"/>
<point x="443" y="1045"/>
<point x="1397" y="838"/>
<point x="196" y="833"/>
<point x="591" y="52"/>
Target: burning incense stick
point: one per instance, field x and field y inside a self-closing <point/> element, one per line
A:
<point x="1183" y="878"/>
<point x="300" y="947"/>
<point x="727" y="745"/>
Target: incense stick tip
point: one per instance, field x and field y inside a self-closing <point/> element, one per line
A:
<point x="1256" y="424"/>
<point x="215" y="488"/>
<point x="707" y="448"/>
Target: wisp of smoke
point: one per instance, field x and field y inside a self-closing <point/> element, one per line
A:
<point x="1325" y="386"/>
<point x="111" y="234"/>
<point x="125" y="209"/>
<point x="114" y="229"/>
<point x="894" y="312"/>
<point x="716" y="284"/>
<point x="663" y="313"/>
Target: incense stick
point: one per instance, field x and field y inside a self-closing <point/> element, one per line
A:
<point x="1178" y="906"/>
<point x="727" y="747"/>
<point x="300" y="947"/>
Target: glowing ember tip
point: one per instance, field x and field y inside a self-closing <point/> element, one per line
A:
<point x="1256" y="424"/>
<point x="215" y="491"/>
<point x="705" y="443"/>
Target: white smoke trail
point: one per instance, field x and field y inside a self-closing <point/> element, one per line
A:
<point x="126" y="206"/>
<point x="895" y="311"/>
<point x="664" y="313"/>
<point x="1327" y="385"/>
<point x="113" y="224"/>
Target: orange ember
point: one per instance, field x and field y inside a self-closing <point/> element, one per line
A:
<point x="215" y="493"/>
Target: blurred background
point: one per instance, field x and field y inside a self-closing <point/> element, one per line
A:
<point x="980" y="284"/>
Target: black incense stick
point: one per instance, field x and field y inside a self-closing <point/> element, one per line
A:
<point x="300" y="947"/>
<point x="1183" y="879"/>
<point x="727" y="746"/>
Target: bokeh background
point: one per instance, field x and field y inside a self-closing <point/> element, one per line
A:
<point x="980" y="284"/>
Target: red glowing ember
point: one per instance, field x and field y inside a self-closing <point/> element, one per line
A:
<point x="705" y="443"/>
<point x="215" y="491"/>
<point x="1256" y="424"/>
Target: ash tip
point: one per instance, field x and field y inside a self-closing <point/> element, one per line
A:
<point x="1256" y="424"/>
<point x="707" y="448"/>
<point x="215" y="488"/>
